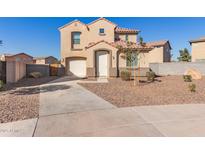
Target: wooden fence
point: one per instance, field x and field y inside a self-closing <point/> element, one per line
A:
<point x="3" y="71"/>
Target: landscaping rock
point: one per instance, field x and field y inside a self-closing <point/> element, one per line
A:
<point x="195" y="74"/>
<point x="163" y="91"/>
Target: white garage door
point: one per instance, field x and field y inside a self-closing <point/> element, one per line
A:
<point x="78" y="67"/>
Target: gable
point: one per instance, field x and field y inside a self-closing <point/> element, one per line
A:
<point x="102" y="20"/>
<point x="74" y="23"/>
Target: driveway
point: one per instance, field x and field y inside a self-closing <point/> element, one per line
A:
<point x="62" y="96"/>
<point x="67" y="109"/>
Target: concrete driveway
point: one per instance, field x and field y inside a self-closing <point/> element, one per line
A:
<point x="61" y="96"/>
<point x="67" y="109"/>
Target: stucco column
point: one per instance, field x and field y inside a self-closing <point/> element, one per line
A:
<point x="90" y="63"/>
<point x="113" y="66"/>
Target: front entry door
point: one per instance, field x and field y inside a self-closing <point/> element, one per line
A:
<point x="102" y="63"/>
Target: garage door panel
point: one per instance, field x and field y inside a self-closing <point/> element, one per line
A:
<point x="78" y="67"/>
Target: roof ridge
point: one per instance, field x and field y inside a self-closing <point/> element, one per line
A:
<point x="101" y="18"/>
<point x="69" y="23"/>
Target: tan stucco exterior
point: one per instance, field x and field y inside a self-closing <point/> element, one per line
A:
<point x="131" y="37"/>
<point x="90" y="34"/>
<point x="198" y="51"/>
<point x="46" y="60"/>
<point x="17" y="58"/>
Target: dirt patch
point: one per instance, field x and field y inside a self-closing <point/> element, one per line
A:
<point x="165" y="90"/>
<point x="21" y="100"/>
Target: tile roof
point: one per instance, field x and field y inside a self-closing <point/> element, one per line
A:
<point x="132" y="45"/>
<point x="12" y="55"/>
<point x="102" y="19"/>
<point x="123" y="44"/>
<point x="38" y="58"/>
<point x="117" y="29"/>
<point x="202" y="39"/>
<point x="158" y="43"/>
<point x="71" y="23"/>
<point x="125" y="30"/>
<point x="91" y="44"/>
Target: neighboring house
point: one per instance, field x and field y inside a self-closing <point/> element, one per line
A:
<point x="161" y="52"/>
<point x="20" y="57"/>
<point x="198" y="49"/>
<point x="45" y="60"/>
<point x="90" y="50"/>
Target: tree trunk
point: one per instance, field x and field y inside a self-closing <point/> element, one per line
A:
<point x="138" y="73"/>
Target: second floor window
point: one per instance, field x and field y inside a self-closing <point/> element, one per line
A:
<point x="126" y="38"/>
<point x="76" y="37"/>
<point x="102" y="31"/>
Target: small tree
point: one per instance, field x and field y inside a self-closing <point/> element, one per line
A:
<point x="141" y="40"/>
<point x="184" y="55"/>
<point x="131" y="55"/>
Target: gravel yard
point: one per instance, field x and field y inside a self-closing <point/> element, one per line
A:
<point x="21" y="100"/>
<point x="167" y="90"/>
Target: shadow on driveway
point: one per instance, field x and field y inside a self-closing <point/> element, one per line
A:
<point x="43" y="89"/>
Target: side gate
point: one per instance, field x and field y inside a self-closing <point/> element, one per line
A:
<point x="3" y="71"/>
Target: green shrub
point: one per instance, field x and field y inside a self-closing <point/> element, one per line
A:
<point x="125" y="75"/>
<point x="35" y="75"/>
<point x="192" y="87"/>
<point x="150" y="76"/>
<point x="1" y="85"/>
<point x="187" y="78"/>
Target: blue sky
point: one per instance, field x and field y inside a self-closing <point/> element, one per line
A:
<point x="40" y="36"/>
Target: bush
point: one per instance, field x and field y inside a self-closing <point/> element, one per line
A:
<point x="187" y="78"/>
<point x="1" y="85"/>
<point x="35" y="75"/>
<point x="192" y="87"/>
<point x="150" y="76"/>
<point x="125" y="75"/>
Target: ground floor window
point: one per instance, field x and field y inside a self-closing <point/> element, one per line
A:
<point x="131" y="59"/>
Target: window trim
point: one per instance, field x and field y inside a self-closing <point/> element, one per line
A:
<point x="73" y="41"/>
<point x="101" y="33"/>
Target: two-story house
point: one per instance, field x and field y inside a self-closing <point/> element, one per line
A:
<point x="92" y="50"/>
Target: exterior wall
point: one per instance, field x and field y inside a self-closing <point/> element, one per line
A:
<point x="2" y="58"/>
<point x="143" y="60"/>
<point x="198" y="51"/>
<point x="86" y="37"/>
<point x="15" y="71"/>
<point x="94" y="35"/>
<point x="156" y="55"/>
<point x="10" y="73"/>
<point x="176" y="68"/>
<point x="91" y="58"/>
<point x="40" y="61"/>
<point x="44" y="69"/>
<point x="20" y="58"/>
<point x="121" y="60"/>
<point x="51" y="60"/>
<point x="65" y="39"/>
<point x="101" y="46"/>
<point x="131" y="37"/>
